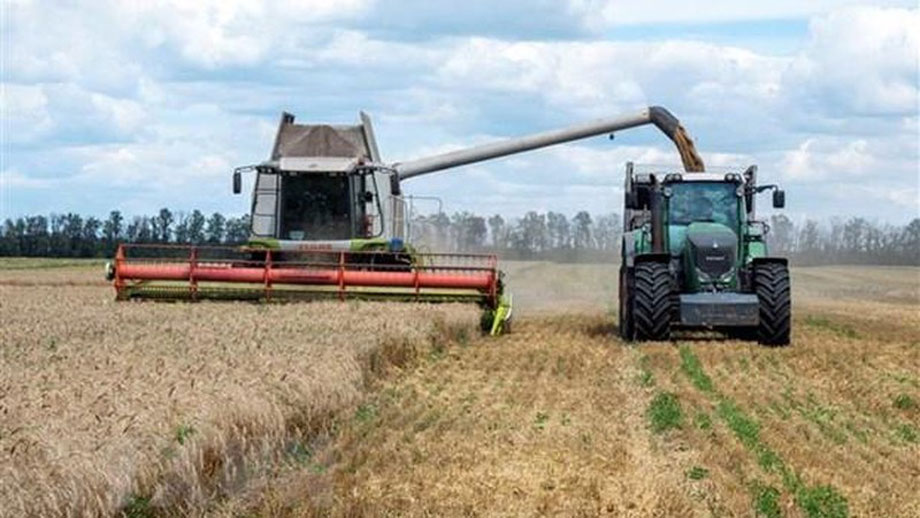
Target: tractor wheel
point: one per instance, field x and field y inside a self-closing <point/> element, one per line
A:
<point x="651" y="304"/>
<point x="626" y="327"/>
<point x="771" y="283"/>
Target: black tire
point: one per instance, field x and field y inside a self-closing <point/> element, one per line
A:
<point x="651" y="304"/>
<point x="626" y="327"/>
<point x="771" y="284"/>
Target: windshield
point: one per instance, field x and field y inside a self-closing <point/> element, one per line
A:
<point x="715" y="202"/>
<point x="315" y="206"/>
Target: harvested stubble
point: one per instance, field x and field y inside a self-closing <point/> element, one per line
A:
<point x="105" y="403"/>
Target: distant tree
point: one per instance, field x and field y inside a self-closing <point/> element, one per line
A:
<point x="810" y="238"/>
<point x="112" y="228"/>
<point x="215" y="228"/>
<point x="237" y="230"/>
<point x="607" y="232"/>
<point x="497" y="231"/>
<point x="196" y="223"/>
<point x="161" y="225"/>
<point x="782" y="235"/>
<point x="910" y="242"/>
<point x="583" y="238"/>
<point x="533" y="232"/>
<point x="557" y="226"/>
<point x="180" y="234"/>
<point x="39" y="242"/>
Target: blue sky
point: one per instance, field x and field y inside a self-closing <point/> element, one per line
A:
<point x="135" y="106"/>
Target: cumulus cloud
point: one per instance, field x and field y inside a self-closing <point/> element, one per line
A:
<point x="860" y="60"/>
<point x="167" y="96"/>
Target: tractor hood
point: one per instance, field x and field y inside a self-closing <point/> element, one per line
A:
<point x="709" y="251"/>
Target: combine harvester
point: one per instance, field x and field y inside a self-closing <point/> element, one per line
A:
<point x="329" y="220"/>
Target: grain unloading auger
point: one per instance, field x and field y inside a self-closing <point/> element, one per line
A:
<point x="329" y="220"/>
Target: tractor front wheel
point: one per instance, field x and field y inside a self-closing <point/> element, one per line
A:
<point x="651" y="302"/>
<point x="771" y="283"/>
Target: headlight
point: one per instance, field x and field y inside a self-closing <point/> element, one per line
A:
<point x="702" y="276"/>
<point x="725" y="278"/>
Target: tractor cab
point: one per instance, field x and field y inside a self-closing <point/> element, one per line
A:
<point x="704" y="213"/>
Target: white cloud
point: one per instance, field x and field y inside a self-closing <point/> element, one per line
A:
<point x="167" y="96"/>
<point x="860" y="60"/>
<point x="602" y="13"/>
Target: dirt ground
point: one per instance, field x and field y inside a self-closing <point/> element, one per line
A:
<point x="562" y="418"/>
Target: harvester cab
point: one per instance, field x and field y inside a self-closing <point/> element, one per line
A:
<point x="695" y="256"/>
<point x="324" y="187"/>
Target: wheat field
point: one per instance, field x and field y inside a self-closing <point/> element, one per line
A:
<point x="405" y="410"/>
<point x="112" y="406"/>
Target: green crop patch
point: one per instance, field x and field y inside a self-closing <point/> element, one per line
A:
<point x="664" y="412"/>
<point x="766" y="501"/>
<point x="690" y="364"/>
<point x="904" y="402"/>
<point x="366" y="413"/>
<point x="697" y="473"/>
<point x="907" y="433"/>
<point x="744" y="427"/>
<point x="822" y="502"/>
<point x="645" y="378"/>
<point x="183" y="432"/>
<point x="702" y="421"/>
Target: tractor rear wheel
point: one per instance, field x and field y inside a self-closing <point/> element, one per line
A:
<point x="626" y="327"/>
<point x="771" y="284"/>
<point x="651" y="302"/>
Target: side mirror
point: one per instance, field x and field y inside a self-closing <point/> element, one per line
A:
<point x="632" y="200"/>
<point x="237" y="182"/>
<point x="779" y="199"/>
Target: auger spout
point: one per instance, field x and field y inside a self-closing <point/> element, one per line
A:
<point x="657" y="115"/>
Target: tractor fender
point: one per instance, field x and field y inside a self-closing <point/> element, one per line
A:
<point x="768" y="260"/>
<point x="652" y="258"/>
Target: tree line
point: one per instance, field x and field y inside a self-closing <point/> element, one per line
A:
<point x="536" y="235"/>
<point x="584" y="237"/>
<point x="73" y="235"/>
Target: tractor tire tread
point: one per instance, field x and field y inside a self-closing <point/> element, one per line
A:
<point x="772" y="286"/>
<point x="652" y="302"/>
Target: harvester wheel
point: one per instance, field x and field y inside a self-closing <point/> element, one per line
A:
<point x="771" y="283"/>
<point x="626" y="327"/>
<point x="651" y="302"/>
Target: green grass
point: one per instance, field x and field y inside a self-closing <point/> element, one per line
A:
<point x="137" y="507"/>
<point x="183" y="432"/>
<point x="702" y="421"/>
<point x="766" y="501"/>
<point x="838" y="329"/>
<point x="697" y="473"/>
<point x="366" y="413"/>
<point x="541" y="420"/>
<point x="821" y="501"/>
<point x="664" y="412"/>
<point x="908" y="433"/>
<point x="690" y="364"/>
<point x="646" y="378"/>
<point x="904" y="402"/>
<point x="744" y="427"/>
<point x="32" y="263"/>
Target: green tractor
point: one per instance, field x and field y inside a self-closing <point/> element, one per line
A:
<point x="695" y="257"/>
